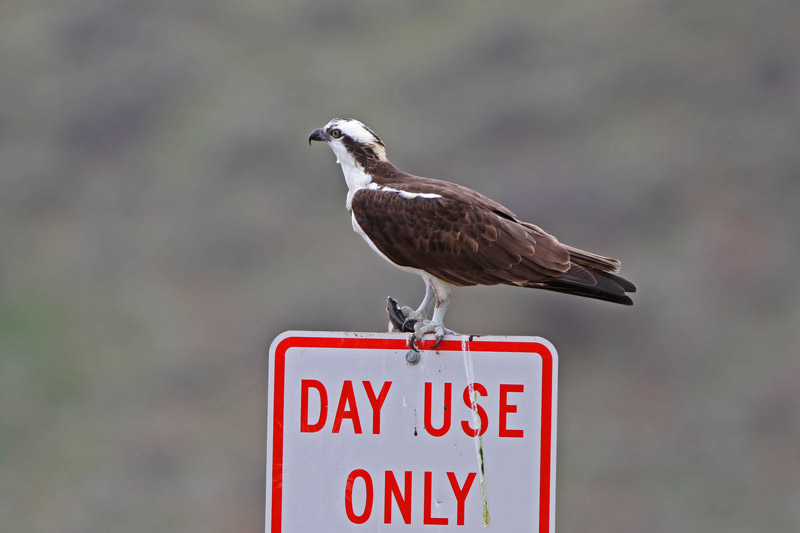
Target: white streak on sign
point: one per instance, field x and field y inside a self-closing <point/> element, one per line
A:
<point x="478" y="438"/>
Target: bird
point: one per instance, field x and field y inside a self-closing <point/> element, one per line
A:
<point x="453" y="236"/>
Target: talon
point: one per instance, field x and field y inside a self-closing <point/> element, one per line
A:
<point x="439" y="339"/>
<point x="423" y="327"/>
<point x="408" y="325"/>
<point x="412" y="342"/>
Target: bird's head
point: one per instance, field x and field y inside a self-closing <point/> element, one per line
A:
<point x="353" y="143"/>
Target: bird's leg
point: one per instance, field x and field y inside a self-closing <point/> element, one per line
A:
<point x="426" y="303"/>
<point x="441" y="296"/>
<point x="414" y="316"/>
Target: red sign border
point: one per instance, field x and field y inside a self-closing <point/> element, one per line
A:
<point x="475" y="344"/>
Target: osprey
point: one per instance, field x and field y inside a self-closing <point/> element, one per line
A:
<point x="453" y="236"/>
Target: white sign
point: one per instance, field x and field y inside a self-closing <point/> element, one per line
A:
<point x="361" y="440"/>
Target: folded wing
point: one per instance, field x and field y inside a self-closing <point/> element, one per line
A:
<point x="464" y="238"/>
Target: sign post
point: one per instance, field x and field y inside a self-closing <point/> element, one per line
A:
<point x="360" y="440"/>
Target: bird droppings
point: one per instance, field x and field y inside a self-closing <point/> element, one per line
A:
<point x="477" y="438"/>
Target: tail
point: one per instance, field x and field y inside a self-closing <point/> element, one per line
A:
<point x="591" y="276"/>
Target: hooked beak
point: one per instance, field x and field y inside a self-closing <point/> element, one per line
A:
<point x="317" y="135"/>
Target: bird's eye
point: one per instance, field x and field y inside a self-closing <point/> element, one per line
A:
<point x="336" y="133"/>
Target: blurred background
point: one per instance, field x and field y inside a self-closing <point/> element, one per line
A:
<point x="162" y="219"/>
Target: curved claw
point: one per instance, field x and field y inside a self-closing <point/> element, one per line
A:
<point x="439" y="339"/>
<point x="422" y="328"/>
<point x="408" y="325"/>
<point x="417" y="327"/>
<point x="412" y="342"/>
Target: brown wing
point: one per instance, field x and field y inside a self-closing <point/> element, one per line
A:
<point x="465" y="238"/>
<point x="461" y="239"/>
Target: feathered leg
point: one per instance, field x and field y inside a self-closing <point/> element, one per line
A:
<point x="441" y="296"/>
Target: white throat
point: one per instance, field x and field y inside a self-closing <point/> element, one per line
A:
<point x="354" y="174"/>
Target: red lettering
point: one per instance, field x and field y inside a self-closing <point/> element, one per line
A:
<point x="448" y="390"/>
<point x="348" y="496"/>
<point x="506" y="408"/>
<point x="428" y="519"/>
<point x="305" y="426"/>
<point x="479" y="389"/>
<point x="402" y="497"/>
<point x="403" y="500"/>
<point x="347" y="408"/>
<point x="461" y="493"/>
<point x="376" y="403"/>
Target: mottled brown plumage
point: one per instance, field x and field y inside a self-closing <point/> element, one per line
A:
<point x="465" y="238"/>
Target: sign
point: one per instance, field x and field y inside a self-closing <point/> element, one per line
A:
<point x="358" y="439"/>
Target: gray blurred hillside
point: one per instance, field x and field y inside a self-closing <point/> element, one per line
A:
<point x="162" y="218"/>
